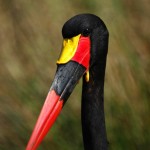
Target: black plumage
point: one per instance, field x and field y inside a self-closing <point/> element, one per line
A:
<point x="93" y="120"/>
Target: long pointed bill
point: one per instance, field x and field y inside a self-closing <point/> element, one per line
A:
<point x="71" y="67"/>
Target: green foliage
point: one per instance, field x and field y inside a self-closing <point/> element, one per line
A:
<point x="30" y="36"/>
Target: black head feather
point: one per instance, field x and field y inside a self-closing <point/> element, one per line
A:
<point x="89" y="25"/>
<point x="81" y="24"/>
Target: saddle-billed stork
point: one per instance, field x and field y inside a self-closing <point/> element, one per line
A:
<point x="83" y="54"/>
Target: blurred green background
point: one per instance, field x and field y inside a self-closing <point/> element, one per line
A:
<point x="30" y="43"/>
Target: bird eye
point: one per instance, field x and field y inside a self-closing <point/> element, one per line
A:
<point x="86" y="32"/>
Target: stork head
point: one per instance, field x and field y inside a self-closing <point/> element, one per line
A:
<point x="83" y="47"/>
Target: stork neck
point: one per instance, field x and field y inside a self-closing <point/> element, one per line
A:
<point x="93" y="119"/>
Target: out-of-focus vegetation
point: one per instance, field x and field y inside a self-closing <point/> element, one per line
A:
<point x="30" y="43"/>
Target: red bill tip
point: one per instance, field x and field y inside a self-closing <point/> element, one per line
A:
<point x="47" y="117"/>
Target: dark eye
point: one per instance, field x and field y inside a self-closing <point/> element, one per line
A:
<point x="86" y="32"/>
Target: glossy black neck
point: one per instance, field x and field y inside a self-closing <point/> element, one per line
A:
<point x="93" y="118"/>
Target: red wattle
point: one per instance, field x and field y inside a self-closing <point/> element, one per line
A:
<point x="82" y="55"/>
